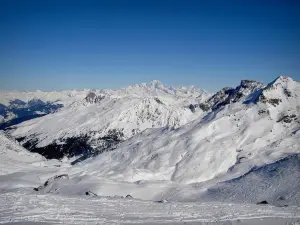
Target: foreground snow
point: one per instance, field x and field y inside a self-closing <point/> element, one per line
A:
<point x="55" y="209"/>
<point x="64" y="200"/>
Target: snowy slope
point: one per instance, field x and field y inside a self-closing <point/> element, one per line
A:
<point x="19" y="106"/>
<point x="230" y="140"/>
<point x="277" y="183"/>
<point x="21" y="171"/>
<point x="57" y="209"/>
<point x="14" y="157"/>
<point x="20" y="168"/>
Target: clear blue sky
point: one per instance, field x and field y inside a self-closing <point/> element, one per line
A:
<point x="109" y="44"/>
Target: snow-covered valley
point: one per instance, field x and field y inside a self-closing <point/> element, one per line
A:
<point x="154" y="154"/>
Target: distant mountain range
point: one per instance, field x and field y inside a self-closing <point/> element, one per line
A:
<point x="102" y="118"/>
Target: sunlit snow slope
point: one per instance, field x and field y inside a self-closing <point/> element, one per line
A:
<point x="257" y="130"/>
<point x="107" y="116"/>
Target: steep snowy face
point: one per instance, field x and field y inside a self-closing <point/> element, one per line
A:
<point x="13" y="157"/>
<point x="226" y="143"/>
<point x="279" y="92"/>
<point x="104" y="118"/>
<point x="277" y="183"/>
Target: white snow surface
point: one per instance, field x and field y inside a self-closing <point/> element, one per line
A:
<point x="24" y="208"/>
<point x="10" y="153"/>
<point x="64" y="201"/>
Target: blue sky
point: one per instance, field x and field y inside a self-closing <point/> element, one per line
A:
<point x="53" y="45"/>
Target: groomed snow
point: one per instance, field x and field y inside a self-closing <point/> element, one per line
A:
<point x="56" y="209"/>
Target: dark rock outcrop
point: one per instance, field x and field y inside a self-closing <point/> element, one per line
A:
<point x="93" y="98"/>
<point x="51" y="180"/>
<point x="82" y="146"/>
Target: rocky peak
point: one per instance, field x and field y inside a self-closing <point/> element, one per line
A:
<point x="283" y="80"/>
<point x="250" y="84"/>
<point x="229" y="95"/>
<point x="281" y="88"/>
<point x="247" y="86"/>
<point x="93" y="98"/>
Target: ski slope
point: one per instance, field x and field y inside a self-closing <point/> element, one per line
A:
<point x="57" y="209"/>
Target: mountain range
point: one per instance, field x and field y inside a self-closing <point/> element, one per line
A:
<point x="157" y="142"/>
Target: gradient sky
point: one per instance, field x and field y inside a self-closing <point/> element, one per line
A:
<point x="53" y="45"/>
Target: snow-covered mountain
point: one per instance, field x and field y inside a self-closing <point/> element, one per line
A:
<point x="221" y="153"/>
<point x="235" y="145"/>
<point x="16" y="106"/>
<point x="154" y="88"/>
<point x="229" y="142"/>
<point x="105" y="117"/>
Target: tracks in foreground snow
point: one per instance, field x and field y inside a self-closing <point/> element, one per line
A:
<point x="55" y="209"/>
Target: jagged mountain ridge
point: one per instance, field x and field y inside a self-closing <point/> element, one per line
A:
<point x="229" y="95"/>
<point x="154" y="88"/>
<point x="18" y="104"/>
<point x="230" y="140"/>
<point x="104" y="117"/>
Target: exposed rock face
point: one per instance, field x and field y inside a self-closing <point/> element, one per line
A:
<point x="219" y="97"/>
<point x="277" y="91"/>
<point x="229" y="95"/>
<point x="288" y="118"/>
<point x="244" y="89"/>
<point x="192" y="108"/>
<point x="272" y="101"/>
<point x="75" y="146"/>
<point x="93" y="98"/>
<point x="50" y="186"/>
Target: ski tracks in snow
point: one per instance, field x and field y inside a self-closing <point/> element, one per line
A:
<point x="57" y="209"/>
